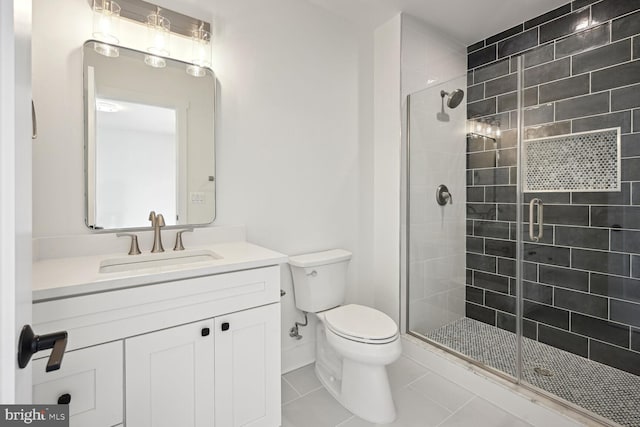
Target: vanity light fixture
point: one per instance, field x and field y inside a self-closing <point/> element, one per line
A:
<point x="159" y="30"/>
<point x="106" y="25"/>
<point x="107" y="15"/>
<point x="200" y="52"/>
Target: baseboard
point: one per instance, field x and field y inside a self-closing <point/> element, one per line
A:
<point x="297" y="357"/>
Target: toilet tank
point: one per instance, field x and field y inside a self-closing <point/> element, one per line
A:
<point x="319" y="279"/>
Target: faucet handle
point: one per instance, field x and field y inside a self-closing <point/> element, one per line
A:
<point x="160" y="220"/>
<point x="152" y="218"/>
<point x="134" y="249"/>
<point x="178" y="246"/>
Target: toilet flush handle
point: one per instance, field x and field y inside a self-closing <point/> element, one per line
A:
<point x="313" y="273"/>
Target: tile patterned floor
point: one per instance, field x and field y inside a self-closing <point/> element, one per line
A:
<point x="423" y="399"/>
<point x="609" y="392"/>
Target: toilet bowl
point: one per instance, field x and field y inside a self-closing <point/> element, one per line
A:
<point x="354" y="343"/>
<point x="351" y="364"/>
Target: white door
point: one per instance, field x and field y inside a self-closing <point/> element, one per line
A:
<point x="247" y="391"/>
<point x="169" y="377"/>
<point x="15" y="194"/>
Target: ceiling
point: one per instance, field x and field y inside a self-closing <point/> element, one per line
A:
<point x="466" y="21"/>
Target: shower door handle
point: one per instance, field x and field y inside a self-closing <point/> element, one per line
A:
<point x="533" y="203"/>
<point x="34" y="121"/>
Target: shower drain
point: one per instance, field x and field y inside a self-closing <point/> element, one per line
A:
<point x="542" y="371"/>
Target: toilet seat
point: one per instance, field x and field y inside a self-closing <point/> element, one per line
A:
<point x="362" y="324"/>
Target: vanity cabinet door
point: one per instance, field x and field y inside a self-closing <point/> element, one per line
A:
<point x="247" y="363"/>
<point x="169" y="377"/>
<point x="90" y="379"/>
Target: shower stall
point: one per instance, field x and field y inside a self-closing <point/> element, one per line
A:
<point x="523" y="209"/>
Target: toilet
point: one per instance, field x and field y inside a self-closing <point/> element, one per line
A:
<point x="354" y="343"/>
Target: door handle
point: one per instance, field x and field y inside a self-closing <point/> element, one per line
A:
<point x="536" y="236"/>
<point x="29" y="344"/>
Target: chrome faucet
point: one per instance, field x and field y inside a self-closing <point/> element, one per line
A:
<point x="157" y="221"/>
<point x="179" y="246"/>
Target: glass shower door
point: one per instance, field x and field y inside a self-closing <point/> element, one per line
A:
<point x="450" y="224"/>
<point x="579" y="240"/>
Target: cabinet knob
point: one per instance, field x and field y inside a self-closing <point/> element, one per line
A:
<point x="205" y="332"/>
<point x="64" y="399"/>
<point x="225" y="326"/>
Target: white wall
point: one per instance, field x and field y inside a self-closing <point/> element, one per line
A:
<point x="387" y="131"/>
<point x="288" y="140"/>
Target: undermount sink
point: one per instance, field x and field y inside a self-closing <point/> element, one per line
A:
<point x="143" y="262"/>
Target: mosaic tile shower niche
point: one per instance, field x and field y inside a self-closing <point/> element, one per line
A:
<point x="584" y="161"/>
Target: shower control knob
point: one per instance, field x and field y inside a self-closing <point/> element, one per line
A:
<point x="443" y="195"/>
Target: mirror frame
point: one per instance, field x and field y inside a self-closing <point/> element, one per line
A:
<point x="88" y="191"/>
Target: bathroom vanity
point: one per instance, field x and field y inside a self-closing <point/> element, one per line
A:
<point x="178" y="342"/>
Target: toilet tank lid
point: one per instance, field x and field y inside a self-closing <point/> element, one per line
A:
<point x="320" y="258"/>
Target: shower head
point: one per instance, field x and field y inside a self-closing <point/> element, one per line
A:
<point x="454" y="98"/>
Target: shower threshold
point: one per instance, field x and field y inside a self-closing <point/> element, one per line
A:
<point x="601" y="389"/>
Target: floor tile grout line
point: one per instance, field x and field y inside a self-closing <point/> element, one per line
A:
<point x="417" y="379"/>
<point x="473" y="396"/>
<point x="291" y="385"/>
<point x="427" y="398"/>
<point x="301" y="396"/>
<point x="441" y="376"/>
<point x="342" y="423"/>
<point x="456" y="411"/>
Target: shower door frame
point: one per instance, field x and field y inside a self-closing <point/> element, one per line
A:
<point x="518" y="379"/>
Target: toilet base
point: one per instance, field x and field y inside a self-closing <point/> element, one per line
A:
<point x="364" y="391"/>
<point x="361" y="388"/>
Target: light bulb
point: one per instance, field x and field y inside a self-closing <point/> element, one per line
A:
<point x="158" y="29"/>
<point x="106" y="23"/>
<point x="200" y="52"/>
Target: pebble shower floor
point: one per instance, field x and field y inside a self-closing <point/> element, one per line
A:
<point x="606" y="391"/>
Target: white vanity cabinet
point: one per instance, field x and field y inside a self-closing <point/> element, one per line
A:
<point x="169" y="378"/>
<point x="247" y="388"/>
<point x="90" y="380"/>
<point x="219" y="369"/>
<point x="202" y="352"/>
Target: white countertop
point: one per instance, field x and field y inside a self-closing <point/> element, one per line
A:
<point x="72" y="276"/>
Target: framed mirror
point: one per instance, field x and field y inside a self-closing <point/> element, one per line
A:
<point x="149" y="139"/>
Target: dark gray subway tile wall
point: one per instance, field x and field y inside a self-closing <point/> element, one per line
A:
<point x="581" y="282"/>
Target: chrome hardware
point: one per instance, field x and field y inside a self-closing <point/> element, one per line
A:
<point x="294" y="332"/>
<point x="34" y="121"/>
<point x="134" y="249"/>
<point x="179" y="246"/>
<point x="540" y="222"/>
<point x="157" y="221"/>
<point x="314" y="273"/>
<point x="443" y="195"/>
